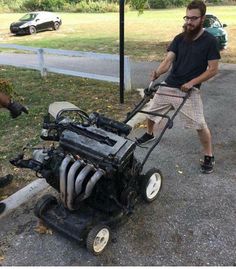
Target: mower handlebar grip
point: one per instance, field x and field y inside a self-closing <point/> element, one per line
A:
<point x="153" y="88"/>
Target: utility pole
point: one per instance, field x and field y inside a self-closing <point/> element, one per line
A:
<point x="122" y="24"/>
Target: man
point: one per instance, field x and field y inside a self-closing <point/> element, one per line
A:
<point x="15" y="110"/>
<point x="194" y="57"/>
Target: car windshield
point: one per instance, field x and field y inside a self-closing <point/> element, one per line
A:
<point x="211" y="22"/>
<point x="28" y="17"/>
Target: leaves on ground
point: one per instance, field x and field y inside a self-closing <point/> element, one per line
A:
<point x="178" y="169"/>
<point x="41" y="228"/>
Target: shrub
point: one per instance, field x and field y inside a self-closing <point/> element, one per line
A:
<point x="7" y="88"/>
<point x="167" y="3"/>
<point x="158" y="3"/>
<point x="11" y="5"/>
<point x="139" y="4"/>
<point x="96" y="7"/>
<point x="49" y="5"/>
<point x="215" y="1"/>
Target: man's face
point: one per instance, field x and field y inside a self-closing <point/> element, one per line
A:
<point x="193" y="19"/>
<point x="193" y="23"/>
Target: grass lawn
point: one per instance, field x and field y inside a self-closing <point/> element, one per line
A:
<point x="146" y="35"/>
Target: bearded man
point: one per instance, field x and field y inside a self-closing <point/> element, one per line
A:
<point x="194" y="57"/>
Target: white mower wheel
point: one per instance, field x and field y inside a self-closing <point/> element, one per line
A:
<point x="98" y="238"/>
<point x="151" y="184"/>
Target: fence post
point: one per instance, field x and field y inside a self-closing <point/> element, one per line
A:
<point x="42" y="69"/>
<point x="127" y="78"/>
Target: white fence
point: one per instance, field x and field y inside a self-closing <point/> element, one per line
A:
<point x="78" y="60"/>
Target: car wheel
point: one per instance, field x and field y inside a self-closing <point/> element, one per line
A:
<point x="56" y="25"/>
<point x="32" y="30"/>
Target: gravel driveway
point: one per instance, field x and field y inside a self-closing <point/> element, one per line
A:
<point x="192" y="223"/>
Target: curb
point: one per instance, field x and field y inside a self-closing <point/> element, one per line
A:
<point x="227" y="66"/>
<point x="23" y="195"/>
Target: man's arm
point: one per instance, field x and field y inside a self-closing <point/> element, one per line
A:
<point x="209" y="73"/>
<point x="164" y="65"/>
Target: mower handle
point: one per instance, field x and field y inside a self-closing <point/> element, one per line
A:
<point x="153" y="88"/>
<point x="148" y="94"/>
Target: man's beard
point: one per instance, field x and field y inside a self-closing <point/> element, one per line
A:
<point x="189" y="35"/>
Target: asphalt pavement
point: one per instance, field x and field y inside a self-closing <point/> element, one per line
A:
<point x="192" y="223"/>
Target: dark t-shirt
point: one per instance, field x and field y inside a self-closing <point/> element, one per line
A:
<point x="191" y="58"/>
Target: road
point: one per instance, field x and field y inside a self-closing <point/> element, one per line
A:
<point x="192" y="223"/>
<point x="84" y="64"/>
<point x="140" y="71"/>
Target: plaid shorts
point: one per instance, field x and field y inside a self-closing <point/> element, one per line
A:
<point x="191" y="113"/>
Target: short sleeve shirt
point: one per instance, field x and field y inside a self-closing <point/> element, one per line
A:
<point x="191" y="58"/>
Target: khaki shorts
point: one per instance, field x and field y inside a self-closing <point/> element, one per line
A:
<point x="191" y="113"/>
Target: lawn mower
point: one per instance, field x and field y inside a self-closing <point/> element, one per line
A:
<point x="92" y="165"/>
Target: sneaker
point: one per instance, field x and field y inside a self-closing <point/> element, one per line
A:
<point x="207" y="165"/>
<point x="6" y="180"/>
<point x="2" y="207"/>
<point x="144" y="139"/>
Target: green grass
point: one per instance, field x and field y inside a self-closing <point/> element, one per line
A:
<point x="146" y="35"/>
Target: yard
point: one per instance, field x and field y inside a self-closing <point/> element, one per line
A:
<point x="146" y="35"/>
<point x="146" y="38"/>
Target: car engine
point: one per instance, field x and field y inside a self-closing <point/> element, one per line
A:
<point x="90" y="161"/>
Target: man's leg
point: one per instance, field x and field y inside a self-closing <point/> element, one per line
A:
<point x="193" y="117"/>
<point x="150" y="126"/>
<point x="205" y="139"/>
<point x="159" y="104"/>
<point x="208" y="163"/>
<point x="148" y="136"/>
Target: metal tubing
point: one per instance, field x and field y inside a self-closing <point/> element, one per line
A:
<point x="122" y="37"/>
<point x="155" y="114"/>
<point x="81" y="177"/>
<point x="171" y="95"/>
<point x="166" y="126"/>
<point x="63" y="177"/>
<point x="92" y="182"/>
<point x="139" y="106"/>
<point x="71" y="183"/>
<point x="146" y="99"/>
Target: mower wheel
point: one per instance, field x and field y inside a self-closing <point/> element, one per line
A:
<point x="151" y="184"/>
<point x="97" y="239"/>
<point x="44" y="203"/>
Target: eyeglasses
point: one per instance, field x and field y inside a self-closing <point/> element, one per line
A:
<point x="193" y="18"/>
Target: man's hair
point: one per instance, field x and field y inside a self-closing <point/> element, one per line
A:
<point x="198" y="4"/>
